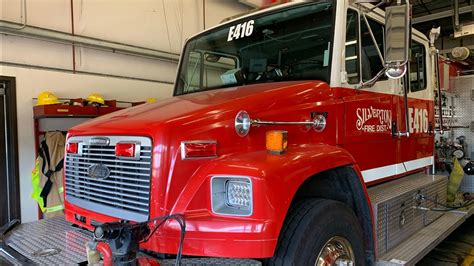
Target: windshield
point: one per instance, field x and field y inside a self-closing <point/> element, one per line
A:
<point x="290" y="44"/>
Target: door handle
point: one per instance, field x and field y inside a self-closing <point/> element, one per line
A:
<point x="403" y="134"/>
<point x="398" y="134"/>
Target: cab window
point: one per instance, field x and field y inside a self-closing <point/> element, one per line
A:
<point x="352" y="47"/>
<point x="417" y="67"/>
<point x="363" y="62"/>
<point x="370" y="59"/>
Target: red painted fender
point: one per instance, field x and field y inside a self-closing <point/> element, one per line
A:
<point x="275" y="180"/>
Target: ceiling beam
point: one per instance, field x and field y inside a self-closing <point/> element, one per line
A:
<point x="442" y="14"/>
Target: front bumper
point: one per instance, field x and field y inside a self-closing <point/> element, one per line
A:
<point x="64" y="244"/>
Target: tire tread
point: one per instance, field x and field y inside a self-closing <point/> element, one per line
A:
<point x="298" y="219"/>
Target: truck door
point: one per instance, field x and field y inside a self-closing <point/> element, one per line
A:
<point x="416" y="151"/>
<point x="369" y="112"/>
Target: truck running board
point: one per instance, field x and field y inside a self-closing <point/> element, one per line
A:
<point x="422" y="242"/>
<point x="406" y="230"/>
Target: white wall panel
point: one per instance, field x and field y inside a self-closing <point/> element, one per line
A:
<point x="90" y="60"/>
<point x="140" y="23"/>
<point x="50" y="14"/>
<point x="216" y="11"/>
<point x="161" y="24"/>
<point x="35" y="52"/>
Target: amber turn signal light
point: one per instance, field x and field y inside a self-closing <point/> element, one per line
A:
<point x="277" y="141"/>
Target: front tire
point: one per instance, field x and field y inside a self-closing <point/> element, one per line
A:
<point x="320" y="232"/>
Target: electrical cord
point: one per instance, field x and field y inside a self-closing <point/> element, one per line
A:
<point x="162" y="219"/>
<point x="447" y="208"/>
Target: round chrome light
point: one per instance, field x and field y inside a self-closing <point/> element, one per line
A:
<point x="242" y="123"/>
<point x="319" y="123"/>
<point x="396" y="72"/>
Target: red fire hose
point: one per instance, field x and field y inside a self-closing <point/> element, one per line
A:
<point x="105" y="250"/>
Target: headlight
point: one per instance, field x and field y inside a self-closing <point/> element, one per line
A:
<point x="231" y="195"/>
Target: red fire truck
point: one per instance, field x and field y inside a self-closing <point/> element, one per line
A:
<point x="297" y="135"/>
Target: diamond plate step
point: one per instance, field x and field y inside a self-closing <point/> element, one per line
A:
<point x="422" y="242"/>
<point x="68" y="242"/>
<point x="393" y="189"/>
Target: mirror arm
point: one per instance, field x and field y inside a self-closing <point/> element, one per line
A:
<point x="359" y="3"/>
<point x="440" y="105"/>
<point x="408" y="37"/>
<point x="373" y="38"/>
<point x="372" y="81"/>
<point x="378" y="5"/>
<point x="406" y="89"/>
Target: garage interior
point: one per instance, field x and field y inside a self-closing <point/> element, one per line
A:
<point x="63" y="63"/>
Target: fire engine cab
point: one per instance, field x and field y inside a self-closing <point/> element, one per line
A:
<point x="301" y="134"/>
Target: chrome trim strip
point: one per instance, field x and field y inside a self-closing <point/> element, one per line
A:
<point x="107" y="210"/>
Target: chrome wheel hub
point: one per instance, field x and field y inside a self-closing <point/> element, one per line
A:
<point x="337" y="251"/>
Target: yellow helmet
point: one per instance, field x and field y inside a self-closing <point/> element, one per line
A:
<point x="151" y="100"/>
<point x="46" y="98"/>
<point x="95" y="98"/>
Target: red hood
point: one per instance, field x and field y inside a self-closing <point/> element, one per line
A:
<point x="210" y="115"/>
<point x="179" y="109"/>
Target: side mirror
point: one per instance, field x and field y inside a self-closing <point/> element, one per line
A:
<point x="397" y="40"/>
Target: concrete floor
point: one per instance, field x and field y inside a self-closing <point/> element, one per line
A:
<point x="456" y="249"/>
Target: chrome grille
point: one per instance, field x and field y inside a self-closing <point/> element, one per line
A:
<point x="125" y="193"/>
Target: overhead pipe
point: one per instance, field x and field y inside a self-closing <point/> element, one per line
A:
<point x="204" y="14"/>
<point x="456" y="15"/>
<point x="73" y="46"/>
<point x="14" y="64"/>
<point x="23" y="16"/>
<point x="8" y="28"/>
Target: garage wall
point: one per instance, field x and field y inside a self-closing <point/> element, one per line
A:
<point x="161" y="25"/>
<point x="41" y="65"/>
